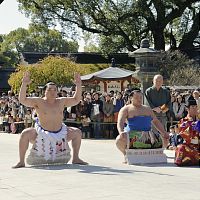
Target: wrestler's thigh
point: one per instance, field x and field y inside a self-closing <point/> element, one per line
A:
<point x="72" y="133"/>
<point x="121" y="138"/>
<point x="30" y="134"/>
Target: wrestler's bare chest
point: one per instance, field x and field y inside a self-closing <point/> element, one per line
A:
<point x="53" y="110"/>
<point x="137" y="111"/>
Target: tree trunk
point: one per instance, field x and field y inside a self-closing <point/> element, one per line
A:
<point x="159" y="39"/>
<point x="187" y="41"/>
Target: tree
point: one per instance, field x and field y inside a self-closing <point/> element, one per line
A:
<point x="91" y="42"/>
<point x="38" y="38"/>
<point x="169" y="61"/>
<point x="185" y="76"/>
<point x="57" y="69"/>
<point x="6" y="58"/>
<point x="128" y="21"/>
<point x="178" y="69"/>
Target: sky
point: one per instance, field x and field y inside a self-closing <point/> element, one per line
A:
<point x="11" y="18"/>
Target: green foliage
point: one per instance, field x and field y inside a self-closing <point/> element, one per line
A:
<point x="122" y="24"/>
<point x="38" y="38"/>
<point x="116" y="44"/>
<point x="57" y="69"/>
<point x="3" y="60"/>
<point x="91" y="68"/>
<point x="91" y="42"/>
<point x="131" y="67"/>
<point x="9" y="58"/>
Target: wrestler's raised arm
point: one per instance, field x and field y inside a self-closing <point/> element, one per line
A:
<point x="71" y="101"/>
<point x="27" y="101"/>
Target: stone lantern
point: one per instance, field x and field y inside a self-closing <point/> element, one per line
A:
<point x="146" y="64"/>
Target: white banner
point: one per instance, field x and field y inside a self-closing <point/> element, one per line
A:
<point x="113" y="85"/>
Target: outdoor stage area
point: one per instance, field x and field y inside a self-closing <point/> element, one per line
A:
<point x="105" y="178"/>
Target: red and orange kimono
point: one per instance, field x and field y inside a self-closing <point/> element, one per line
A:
<point x="187" y="154"/>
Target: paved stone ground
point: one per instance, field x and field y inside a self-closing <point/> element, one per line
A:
<point x="106" y="178"/>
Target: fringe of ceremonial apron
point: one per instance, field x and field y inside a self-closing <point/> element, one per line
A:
<point x="46" y="141"/>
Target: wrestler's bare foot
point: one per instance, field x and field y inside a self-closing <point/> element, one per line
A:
<point x="19" y="165"/>
<point x="125" y="160"/>
<point x="79" y="162"/>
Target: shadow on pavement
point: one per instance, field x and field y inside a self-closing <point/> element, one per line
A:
<point x="90" y="169"/>
<point x="167" y="165"/>
<point x="96" y="170"/>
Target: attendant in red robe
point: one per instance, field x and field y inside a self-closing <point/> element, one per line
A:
<point x="187" y="154"/>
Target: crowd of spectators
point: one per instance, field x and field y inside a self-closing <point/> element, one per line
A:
<point x="96" y="114"/>
<point x="14" y="117"/>
<point x="178" y="104"/>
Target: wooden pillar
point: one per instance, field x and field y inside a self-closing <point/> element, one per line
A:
<point x="105" y="86"/>
<point x="122" y="85"/>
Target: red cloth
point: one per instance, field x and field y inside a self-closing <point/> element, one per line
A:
<point x="188" y="154"/>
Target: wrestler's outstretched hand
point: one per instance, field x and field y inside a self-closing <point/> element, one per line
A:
<point x="157" y="109"/>
<point x="26" y="78"/>
<point x="77" y="79"/>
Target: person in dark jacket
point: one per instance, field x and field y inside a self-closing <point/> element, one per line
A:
<point x="97" y="115"/>
<point x="159" y="99"/>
